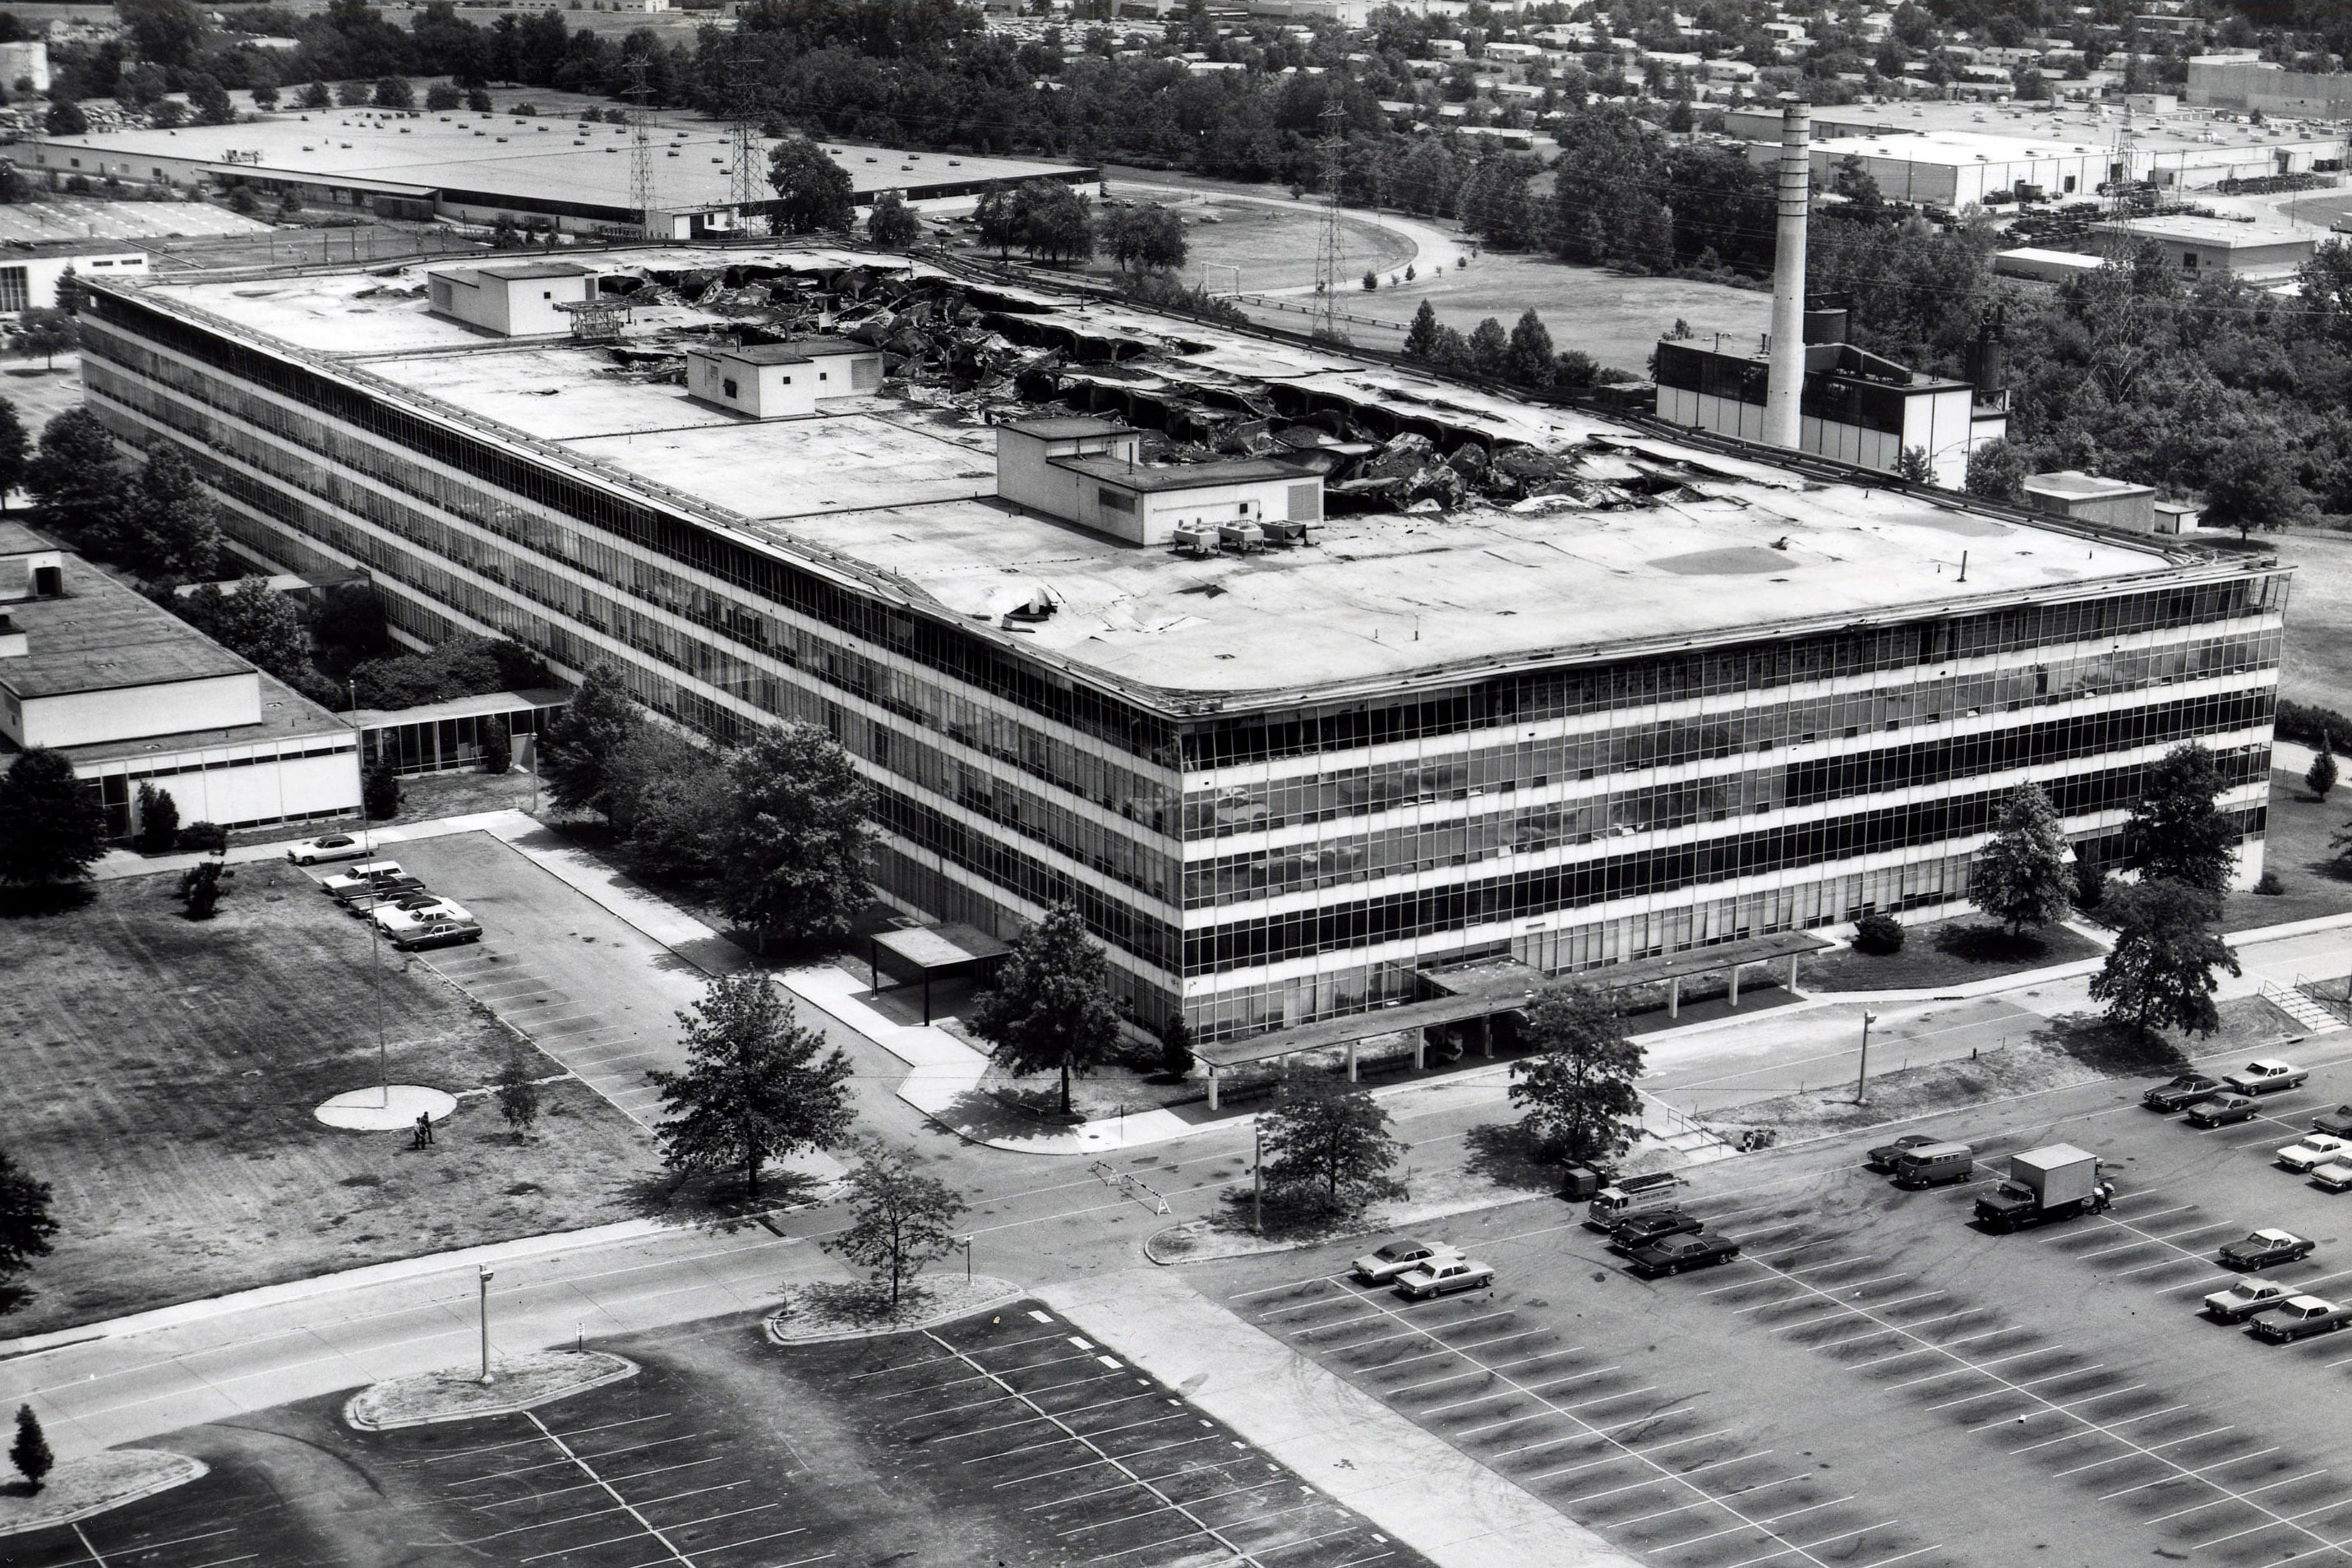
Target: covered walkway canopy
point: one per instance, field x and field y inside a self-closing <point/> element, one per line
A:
<point x="933" y="953"/>
<point x="1480" y="990"/>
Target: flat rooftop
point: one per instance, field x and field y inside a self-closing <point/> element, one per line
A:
<point x="527" y="157"/>
<point x="286" y="715"/>
<point x="2213" y="231"/>
<point x="102" y="636"/>
<point x="899" y="488"/>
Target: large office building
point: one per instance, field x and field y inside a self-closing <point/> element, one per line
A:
<point x="1670" y="698"/>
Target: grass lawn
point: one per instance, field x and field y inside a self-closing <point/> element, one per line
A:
<point x="1948" y="952"/>
<point x="2316" y="665"/>
<point x="162" y="1075"/>
<point x="2297" y="853"/>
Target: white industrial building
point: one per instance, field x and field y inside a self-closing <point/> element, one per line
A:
<point x="782" y="381"/>
<point x="2206" y="245"/>
<point x="518" y="300"/>
<point x="1084" y="471"/>
<point x="131" y="694"/>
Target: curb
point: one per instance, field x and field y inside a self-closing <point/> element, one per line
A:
<point x="195" y="1471"/>
<point x="775" y="1336"/>
<point x="621" y="1368"/>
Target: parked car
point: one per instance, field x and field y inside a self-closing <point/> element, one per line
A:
<point x="1676" y="1253"/>
<point x="333" y="846"/>
<point x="2265" y="1247"/>
<point x="2266" y="1076"/>
<point x="1883" y="1158"/>
<point x="1383" y="1264"/>
<point x="437" y="934"/>
<point x="343" y="882"/>
<point x="1442" y="1276"/>
<point x="1641" y="1230"/>
<point x="2314" y="1149"/>
<point x="2336" y="1122"/>
<point x="2243" y="1299"/>
<point x="2181" y="1092"/>
<point x="2334" y="1176"/>
<point x="384" y="891"/>
<point x="2220" y="1109"/>
<point x="2299" y="1316"/>
<point x="417" y="908"/>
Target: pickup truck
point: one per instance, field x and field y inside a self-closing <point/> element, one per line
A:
<point x="2266" y="1077"/>
<point x="2049" y="1183"/>
<point x="2299" y="1317"/>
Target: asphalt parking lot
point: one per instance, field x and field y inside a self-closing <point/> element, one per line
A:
<point x="1876" y="1381"/>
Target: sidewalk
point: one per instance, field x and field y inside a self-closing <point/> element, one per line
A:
<point x="1417" y="1487"/>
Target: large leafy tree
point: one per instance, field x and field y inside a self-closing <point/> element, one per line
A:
<point x="2160" y="974"/>
<point x="797" y="865"/>
<point x="1528" y="359"/>
<point x="16" y="451"/>
<point x="1577" y="1086"/>
<point x="75" y="479"/>
<point x="254" y="622"/>
<point x="900" y="1219"/>
<point x="1050" y="1009"/>
<point x="2020" y="877"/>
<point x="2179" y="834"/>
<point x="758" y="1086"/>
<point x="1329" y="1143"/>
<point x="172" y="527"/>
<point x="52" y="828"/>
<point x="891" y="223"/>
<point x="579" y="747"/>
<point x="812" y="192"/>
<point x="1148" y="237"/>
<point x="26" y="1227"/>
<point x="1054" y="222"/>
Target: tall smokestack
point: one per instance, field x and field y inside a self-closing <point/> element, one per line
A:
<point x="1783" y="425"/>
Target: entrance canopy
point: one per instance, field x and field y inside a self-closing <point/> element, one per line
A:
<point x="925" y="953"/>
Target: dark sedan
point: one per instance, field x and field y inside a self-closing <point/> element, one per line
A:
<point x="1883" y="1158"/>
<point x="1676" y="1253"/>
<point x="1644" y="1230"/>
<point x="2338" y="1121"/>
<point x="2181" y="1092"/>
<point x="2220" y="1109"/>
<point x="2265" y="1247"/>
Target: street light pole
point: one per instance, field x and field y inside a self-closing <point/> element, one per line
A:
<point x="1862" y="1079"/>
<point x="1257" y="1178"/>
<point x="487" y="1274"/>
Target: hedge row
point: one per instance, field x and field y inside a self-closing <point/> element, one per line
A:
<point x="2315" y="726"/>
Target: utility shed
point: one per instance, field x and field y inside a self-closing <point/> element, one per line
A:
<point x="2094" y="498"/>
<point x="1085" y="471"/>
<point x="782" y="381"/>
<point x="514" y="302"/>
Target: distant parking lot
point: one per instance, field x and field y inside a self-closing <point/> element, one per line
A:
<point x="1876" y="1381"/>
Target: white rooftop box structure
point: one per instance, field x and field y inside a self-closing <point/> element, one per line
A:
<point x="1084" y="471"/>
<point x="782" y="381"/>
<point x="515" y="300"/>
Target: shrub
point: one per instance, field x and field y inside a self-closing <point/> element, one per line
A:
<point x="380" y="790"/>
<point x="159" y="820"/>
<point x="2090" y="886"/>
<point x="1878" y="934"/>
<point x="2270" y="887"/>
<point x="2311" y="726"/>
<point x="1176" y="1046"/>
<point x="497" y="746"/>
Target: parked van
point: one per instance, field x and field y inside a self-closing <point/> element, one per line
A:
<point x="1934" y="1165"/>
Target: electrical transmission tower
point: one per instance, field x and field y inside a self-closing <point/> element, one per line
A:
<point x="1328" y="267"/>
<point x="745" y="151"/>
<point x="641" y="148"/>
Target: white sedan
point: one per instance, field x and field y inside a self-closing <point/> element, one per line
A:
<point x="1384" y="1264"/>
<point x="417" y="910"/>
<point x="2316" y="1149"/>
<point x="333" y="846"/>
<point x="2336" y="1176"/>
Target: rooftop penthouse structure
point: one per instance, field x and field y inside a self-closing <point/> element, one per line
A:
<point x="1641" y="698"/>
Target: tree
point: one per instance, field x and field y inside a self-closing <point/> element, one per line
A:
<point x="1148" y="238"/>
<point x="1176" y="1046"/>
<point x="1579" y="1089"/>
<point x="2320" y="777"/>
<point x="200" y="890"/>
<point x="64" y="118"/>
<point x="2181" y="835"/>
<point x="167" y="114"/>
<point x="1489" y="348"/>
<point x="173" y="528"/>
<point x="26" y="1226"/>
<point x="902" y="1220"/>
<point x="265" y="96"/>
<point x="2250" y="485"/>
<point x="380" y="788"/>
<point x="673" y="799"/>
<point x="443" y="94"/>
<point x="1997" y="471"/>
<point x="812" y="192"/>
<point x="254" y="622"/>
<point x="577" y="749"/>
<point x="797" y="862"/>
<point x="1326" y="1146"/>
<point x="1054" y="222"/>
<point x="994" y="219"/>
<point x="30" y="1452"/>
<point x="477" y="101"/>
<point x="210" y="101"/>
<point x="755" y="1088"/>
<point x="1421" y="338"/>
<point x="158" y="819"/>
<point x="517" y="1094"/>
<point x="1911" y="464"/>
<point x="52" y="828"/>
<point x="498" y="745"/>
<point x="394" y="92"/>
<point x="1527" y="359"/>
<point x="47" y="333"/>
<point x="2160" y="971"/>
<point x="316" y="96"/>
<point x="15" y="451"/>
<point x="891" y="225"/>
<point x="2021" y="877"/>
<point x="1050" y="1007"/>
<point x="167" y="32"/>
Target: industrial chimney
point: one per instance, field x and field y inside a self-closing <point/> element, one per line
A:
<point x="1783" y="422"/>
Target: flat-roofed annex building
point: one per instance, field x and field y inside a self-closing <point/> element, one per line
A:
<point x="1705" y="701"/>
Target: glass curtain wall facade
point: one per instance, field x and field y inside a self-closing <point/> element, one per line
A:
<point x="1258" y="868"/>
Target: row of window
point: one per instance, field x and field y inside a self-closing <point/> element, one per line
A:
<point x="1509" y="765"/>
<point x="1451" y="839"/>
